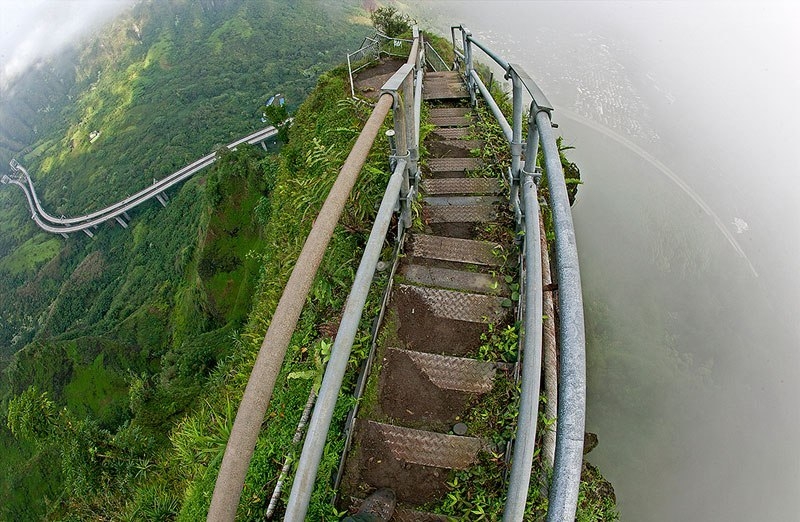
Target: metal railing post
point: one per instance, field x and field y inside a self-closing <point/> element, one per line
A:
<point x="516" y="133"/>
<point x="531" y="153"/>
<point x="469" y="64"/>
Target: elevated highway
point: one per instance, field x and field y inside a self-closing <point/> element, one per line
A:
<point x="117" y="211"/>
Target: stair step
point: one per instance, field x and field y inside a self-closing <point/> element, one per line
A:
<point x="451" y="121"/>
<point x="402" y="514"/>
<point x="428" y="448"/>
<point x="441" y="187"/>
<point x="441" y="112"/>
<point x="455" y="250"/>
<point x="453" y="373"/>
<point x="460" y="306"/>
<point x="463" y="144"/>
<point x="462" y="201"/>
<point x="444" y="88"/>
<point x="454" y="75"/>
<point x="453" y="164"/>
<point x="451" y="132"/>
<point x="476" y="282"/>
<point x="459" y="213"/>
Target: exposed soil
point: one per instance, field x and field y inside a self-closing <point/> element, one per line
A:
<point x="408" y="395"/>
<point x="412" y="483"/>
<point x="368" y="82"/>
<point x="425" y="332"/>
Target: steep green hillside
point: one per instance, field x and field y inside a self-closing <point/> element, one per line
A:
<point x="164" y="85"/>
<point x="107" y="343"/>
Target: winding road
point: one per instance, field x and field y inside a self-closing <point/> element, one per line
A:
<point x="117" y="211"/>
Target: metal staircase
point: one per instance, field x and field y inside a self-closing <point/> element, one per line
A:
<point x="446" y="292"/>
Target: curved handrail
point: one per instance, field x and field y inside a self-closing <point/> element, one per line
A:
<point x="572" y="369"/>
<point x="57" y="225"/>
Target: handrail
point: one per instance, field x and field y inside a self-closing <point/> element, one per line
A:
<point x="314" y="444"/>
<point x="572" y="337"/>
<point x="250" y="415"/>
<point x="572" y="369"/>
<point x="400" y="187"/>
<point x="531" y="361"/>
<point x="242" y="440"/>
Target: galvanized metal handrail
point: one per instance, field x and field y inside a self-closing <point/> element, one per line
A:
<point x="407" y="106"/>
<point x="572" y="368"/>
<point x="444" y="64"/>
<point x="250" y="415"/>
<point x="314" y="444"/>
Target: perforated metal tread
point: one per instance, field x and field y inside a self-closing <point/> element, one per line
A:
<point x="453" y="373"/>
<point x="454" y="201"/>
<point x="449" y="186"/>
<point x="453" y="164"/>
<point x="441" y="112"/>
<point x="451" y="121"/>
<point x="460" y="213"/>
<point x="444" y="89"/>
<point x="464" y="144"/>
<point x="476" y="282"/>
<point x="427" y="448"/>
<point x="443" y="74"/>
<point x="451" y="132"/>
<point x="460" y="306"/>
<point x="454" y="249"/>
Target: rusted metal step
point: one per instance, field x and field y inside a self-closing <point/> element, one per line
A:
<point x="461" y="280"/>
<point x="441" y="112"/>
<point x="452" y="186"/>
<point x="455" y="250"/>
<point x="461" y="306"/>
<point x="453" y="373"/>
<point x="455" y="201"/>
<point x="451" y="121"/>
<point x="429" y="387"/>
<point x="451" y="132"/>
<point x="459" y="213"/>
<point x="453" y="164"/>
<point x="428" y="448"/>
<point x="443" y="74"/>
<point x="449" y="87"/>
<point x="463" y="144"/>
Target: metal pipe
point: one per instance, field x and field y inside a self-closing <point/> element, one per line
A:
<point x="531" y="153"/>
<point x="572" y="370"/>
<point x="498" y="114"/>
<point x="522" y="458"/>
<point x="549" y="354"/>
<point x="502" y="63"/>
<point x="314" y="444"/>
<point x="516" y="137"/>
<point x="242" y="441"/>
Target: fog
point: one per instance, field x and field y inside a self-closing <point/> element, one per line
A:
<point x="684" y="118"/>
<point x="31" y="31"/>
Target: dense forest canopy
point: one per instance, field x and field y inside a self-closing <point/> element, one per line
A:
<point x="110" y="339"/>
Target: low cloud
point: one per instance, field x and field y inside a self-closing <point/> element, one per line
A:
<point x="33" y="31"/>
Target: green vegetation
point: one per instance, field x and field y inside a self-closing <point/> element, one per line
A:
<point x="124" y="358"/>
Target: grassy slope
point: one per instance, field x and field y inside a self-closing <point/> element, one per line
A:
<point x="153" y="307"/>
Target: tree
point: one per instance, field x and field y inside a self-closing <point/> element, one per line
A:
<point x="32" y="416"/>
<point x="389" y="21"/>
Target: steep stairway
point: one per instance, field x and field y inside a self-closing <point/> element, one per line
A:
<point x="410" y="434"/>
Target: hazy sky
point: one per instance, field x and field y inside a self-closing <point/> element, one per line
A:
<point x="33" y="29"/>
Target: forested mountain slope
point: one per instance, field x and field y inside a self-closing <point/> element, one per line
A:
<point x="107" y="343"/>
